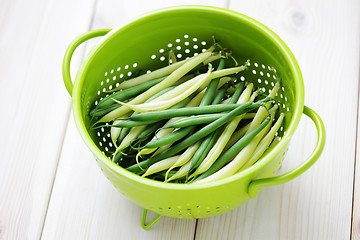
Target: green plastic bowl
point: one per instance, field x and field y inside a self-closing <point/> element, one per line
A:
<point x="143" y="44"/>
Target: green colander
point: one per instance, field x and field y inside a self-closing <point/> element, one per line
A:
<point x="143" y="43"/>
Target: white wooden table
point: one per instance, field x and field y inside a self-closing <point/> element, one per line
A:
<point x="51" y="187"/>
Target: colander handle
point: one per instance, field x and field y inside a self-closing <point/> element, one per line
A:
<point x="70" y="50"/>
<point x="256" y="185"/>
<point x="150" y="224"/>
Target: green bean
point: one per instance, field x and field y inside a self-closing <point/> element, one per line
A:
<point x="180" y="173"/>
<point x="230" y="127"/>
<point x="121" y="123"/>
<point x="131" y="136"/>
<point x="120" y="133"/>
<point x="206" y="100"/>
<point x="237" y="93"/>
<point x="172" y="57"/>
<point x="265" y="142"/>
<point x="184" y="157"/>
<point x="149" y="130"/>
<point x="125" y="94"/>
<point x="117" y="156"/>
<point x="232" y="151"/>
<point x="161" y="165"/>
<point x="115" y="132"/>
<point x="216" y="148"/>
<point x="208" y="96"/>
<point x="161" y="175"/>
<point x="172" y="97"/>
<point x="209" y="140"/>
<point x="128" y="124"/>
<point x="163" y="132"/>
<point x="203" y="150"/>
<point x="98" y="112"/>
<point x="203" y="132"/>
<point x="211" y="89"/>
<point x="170" y="138"/>
<point x="171" y="113"/>
<point x="220" y="94"/>
<point x="263" y="111"/>
<point x="170" y="80"/>
<point x="194" y="120"/>
<point x="236" y="136"/>
<point x="149" y="76"/>
<point x="200" y="119"/>
<point x="123" y="134"/>
<point x="241" y="157"/>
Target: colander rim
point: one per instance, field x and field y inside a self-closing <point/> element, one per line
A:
<point x="298" y="101"/>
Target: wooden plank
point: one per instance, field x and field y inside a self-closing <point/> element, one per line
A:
<point x="355" y="233"/>
<point x="324" y="37"/>
<point x="94" y="209"/>
<point x="35" y="106"/>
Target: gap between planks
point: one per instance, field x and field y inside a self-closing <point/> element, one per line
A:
<point x="354" y="233"/>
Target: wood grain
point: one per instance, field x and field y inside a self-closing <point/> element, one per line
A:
<point x="324" y="37"/>
<point x="36" y="107"/>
